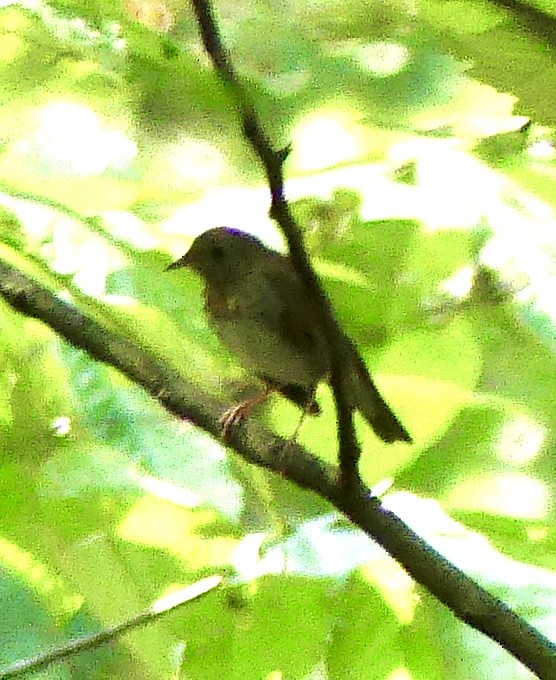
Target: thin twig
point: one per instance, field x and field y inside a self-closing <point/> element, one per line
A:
<point x="109" y="634"/>
<point x="273" y="162"/>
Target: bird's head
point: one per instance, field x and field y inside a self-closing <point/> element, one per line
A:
<point x="222" y="255"/>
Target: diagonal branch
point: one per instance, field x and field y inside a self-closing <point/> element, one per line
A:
<point x="469" y="602"/>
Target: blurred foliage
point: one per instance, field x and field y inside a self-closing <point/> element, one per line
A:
<point x="422" y="172"/>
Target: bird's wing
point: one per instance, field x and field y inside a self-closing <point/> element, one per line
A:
<point x="301" y="327"/>
<point x="298" y="320"/>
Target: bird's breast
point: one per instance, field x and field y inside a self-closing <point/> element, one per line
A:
<point x="250" y="327"/>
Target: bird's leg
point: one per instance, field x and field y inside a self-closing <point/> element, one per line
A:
<point x="308" y="409"/>
<point x="234" y="415"/>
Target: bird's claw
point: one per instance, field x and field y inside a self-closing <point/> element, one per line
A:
<point x="236" y="414"/>
<point x="232" y="417"/>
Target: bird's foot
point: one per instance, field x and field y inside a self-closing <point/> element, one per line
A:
<point x="237" y="414"/>
<point x="231" y="417"/>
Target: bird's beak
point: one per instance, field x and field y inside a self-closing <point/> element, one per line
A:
<point x="184" y="261"/>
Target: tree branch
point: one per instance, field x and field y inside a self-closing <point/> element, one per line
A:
<point x="541" y="24"/>
<point x="273" y="162"/>
<point x="471" y="603"/>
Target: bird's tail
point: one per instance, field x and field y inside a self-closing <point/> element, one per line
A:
<point x="370" y="403"/>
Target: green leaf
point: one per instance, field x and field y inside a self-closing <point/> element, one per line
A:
<point x="251" y="639"/>
<point x="364" y="640"/>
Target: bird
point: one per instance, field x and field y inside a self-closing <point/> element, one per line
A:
<point x="262" y="312"/>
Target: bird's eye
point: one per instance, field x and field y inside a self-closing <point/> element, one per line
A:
<point x="217" y="252"/>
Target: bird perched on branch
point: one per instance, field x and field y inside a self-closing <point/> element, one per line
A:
<point x="262" y="312"/>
